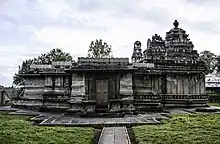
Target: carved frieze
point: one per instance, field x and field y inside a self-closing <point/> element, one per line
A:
<point x="126" y="85"/>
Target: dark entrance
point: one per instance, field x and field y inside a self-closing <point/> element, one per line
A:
<point x="102" y="88"/>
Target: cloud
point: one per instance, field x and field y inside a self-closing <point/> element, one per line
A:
<point x="29" y="28"/>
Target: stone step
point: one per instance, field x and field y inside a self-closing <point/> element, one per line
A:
<point x="110" y="115"/>
<point x="101" y="110"/>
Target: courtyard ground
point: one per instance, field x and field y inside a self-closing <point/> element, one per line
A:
<point x="19" y="130"/>
<point x="181" y="129"/>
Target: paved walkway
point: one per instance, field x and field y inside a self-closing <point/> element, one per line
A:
<point x="114" y="135"/>
<point x="50" y="120"/>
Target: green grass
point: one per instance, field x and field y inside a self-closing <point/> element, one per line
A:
<point x="18" y="130"/>
<point x="181" y="129"/>
<point x="214" y="104"/>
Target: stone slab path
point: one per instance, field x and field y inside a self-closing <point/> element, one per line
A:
<point x="54" y="120"/>
<point x="114" y="135"/>
<point x="63" y="120"/>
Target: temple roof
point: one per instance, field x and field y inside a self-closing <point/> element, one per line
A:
<point x="176" y="47"/>
<point x="178" y="37"/>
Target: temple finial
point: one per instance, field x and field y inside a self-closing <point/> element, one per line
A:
<point x="176" y="24"/>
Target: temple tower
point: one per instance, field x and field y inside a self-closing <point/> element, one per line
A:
<point x="137" y="52"/>
<point x="155" y="48"/>
<point x="179" y="47"/>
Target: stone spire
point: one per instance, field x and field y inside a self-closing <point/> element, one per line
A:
<point x="137" y="52"/>
<point x="155" y="48"/>
<point x="176" y="24"/>
<point x="178" y="46"/>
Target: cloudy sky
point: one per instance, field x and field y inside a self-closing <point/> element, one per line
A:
<point x="31" y="27"/>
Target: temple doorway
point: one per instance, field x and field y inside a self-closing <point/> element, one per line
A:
<point x="102" y="93"/>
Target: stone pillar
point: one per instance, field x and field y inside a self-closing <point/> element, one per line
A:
<point x="126" y="92"/>
<point x="202" y="87"/>
<point x="197" y="85"/>
<point x="194" y="85"/>
<point x="169" y="84"/>
<point x="48" y="81"/>
<point x="190" y="85"/>
<point x="77" y="93"/>
<point x="174" y="85"/>
<point x="186" y="85"/>
<point x="57" y="81"/>
<point x="179" y="86"/>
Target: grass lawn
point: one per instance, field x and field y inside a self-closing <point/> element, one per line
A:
<point x="214" y="104"/>
<point x="181" y="129"/>
<point x="18" y="130"/>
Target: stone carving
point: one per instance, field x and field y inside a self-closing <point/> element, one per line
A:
<point x="126" y="85"/>
<point x="137" y="44"/>
<point x="137" y="52"/>
<point x="156" y="38"/>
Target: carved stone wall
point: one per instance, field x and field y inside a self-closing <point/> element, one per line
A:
<point x="48" y="80"/>
<point x="78" y="85"/>
<point x="185" y="91"/>
<point x="146" y="89"/>
<point x="61" y="83"/>
<point x="34" y="89"/>
<point x="77" y="93"/>
<point x="126" y="92"/>
<point x="157" y="85"/>
<point x="185" y="84"/>
<point x="58" y="81"/>
<point x="142" y="85"/>
<point x="126" y="85"/>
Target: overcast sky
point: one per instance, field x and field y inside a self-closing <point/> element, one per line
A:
<point x="31" y="27"/>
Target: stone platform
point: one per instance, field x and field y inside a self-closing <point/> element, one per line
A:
<point x="59" y="119"/>
<point x="63" y="120"/>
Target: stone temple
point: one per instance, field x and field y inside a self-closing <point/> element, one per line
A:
<point x="165" y="74"/>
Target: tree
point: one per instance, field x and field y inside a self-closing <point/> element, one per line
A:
<point x="209" y="59"/>
<point x="218" y="63"/>
<point x="99" y="49"/>
<point x="47" y="58"/>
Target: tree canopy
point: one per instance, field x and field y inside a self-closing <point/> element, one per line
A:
<point x="47" y="58"/>
<point x="210" y="60"/>
<point x="99" y="49"/>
